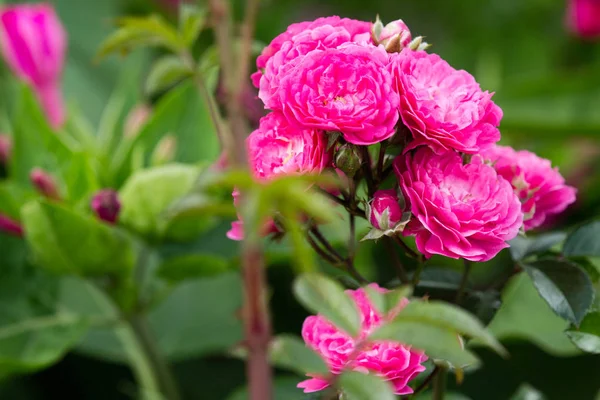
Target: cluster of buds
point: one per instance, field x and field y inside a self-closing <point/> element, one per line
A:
<point x="395" y="36"/>
<point x="387" y="214"/>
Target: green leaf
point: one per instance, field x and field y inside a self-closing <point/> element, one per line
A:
<point x="166" y="72"/>
<point x="584" y="241"/>
<point x="191" y="21"/>
<point x="139" y="32"/>
<point x="147" y="195"/>
<point x="358" y="386"/>
<point x="64" y="241"/>
<point x="283" y="388"/>
<point x="37" y="342"/>
<point x="522" y="247"/>
<point x="451" y="318"/>
<point x="185" y="115"/>
<point x="437" y="342"/>
<point x="566" y="288"/>
<point x="290" y="352"/>
<point x="323" y="295"/>
<point x="527" y="392"/>
<point x="587" y="337"/>
<point x="187" y="266"/>
<point x="524" y="315"/>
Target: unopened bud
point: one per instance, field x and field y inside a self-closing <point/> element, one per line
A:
<point x="165" y="150"/>
<point x="386" y="214"/>
<point x="395" y="36"/>
<point x="106" y="205"/>
<point x="5" y="149"/>
<point x="418" y="44"/>
<point x="376" y="30"/>
<point x="136" y="119"/>
<point x="10" y="226"/>
<point x="348" y="159"/>
<point x="44" y="183"/>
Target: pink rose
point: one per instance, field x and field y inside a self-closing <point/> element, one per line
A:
<point x="357" y="31"/>
<point x="541" y="188"/>
<point x="384" y="211"/>
<point x="583" y="18"/>
<point x="459" y="210"/>
<point x="33" y="43"/>
<point x="277" y="148"/>
<point x="442" y="107"/>
<point x="347" y="89"/>
<point x="392" y="361"/>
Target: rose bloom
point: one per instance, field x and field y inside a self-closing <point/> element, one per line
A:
<point x="326" y="32"/>
<point x="583" y="18"/>
<point x="33" y="43"/>
<point x="442" y="107"/>
<point x="277" y="148"/>
<point x="541" y="188"/>
<point x="347" y="89"/>
<point x="392" y="361"/>
<point x="459" y="210"/>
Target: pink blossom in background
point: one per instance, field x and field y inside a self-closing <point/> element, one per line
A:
<point x="583" y="18"/>
<point x="277" y="148"/>
<point x="44" y="183"/>
<point x="5" y="149"/>
<point x="10" y="226"/>
<point x="443" y="108"/>
<point x="459" y="210"/>
<point x="541" y="188"/>
<point x="33" y="43"/>
<point x="347" y="89"/>
<point x="321" y="33"/>
<point x="394" y="362"/>
<point x="384" y="203"/>
<point x="106" y="205"/>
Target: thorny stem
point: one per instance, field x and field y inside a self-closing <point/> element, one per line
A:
<point x="410" y="252"/>
<point x="367" y="165"/>
<point x="257" y="324"/>
<point x="328" y="257"/>
<point x="439" y="384"/>
<point x="463" y="282"/>
<point x="396" y="260"/>
<point x="381" y="158"/>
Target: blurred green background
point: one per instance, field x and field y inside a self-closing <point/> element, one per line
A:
<point x="546" y="81"/>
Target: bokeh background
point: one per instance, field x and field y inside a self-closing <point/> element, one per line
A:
<point x="546" y="80"/>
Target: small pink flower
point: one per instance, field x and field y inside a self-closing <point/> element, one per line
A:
<point x="33" y="43"/>
<point x="337" y="30"/>
<point x="384" y="211"/>
<point x="394" y="362"/>
<point x="348" y="89"/>
<point x="277" y="148"/>
<point x="459" y="210"/>
<point x="442" y="107"/>
<point x="44" y="183"/>
<point x="583" y="18"/>
<point x="106" y="205"/>
<point x="541" y="188"/>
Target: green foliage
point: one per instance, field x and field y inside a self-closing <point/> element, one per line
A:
<point x="324" y="296"/>
<point x="522" y="247"/>
<point x="566" y="288"/>
<point x="283" y="388"/>
<point x="166" y="72"/>
<point x="587" y="336"/>
<point x="64" y="241"/>
<point x="289" y="352"/>
<point x="195" y="265"/>
<point x="584" y="241"/>
<point x="358" y="386"/>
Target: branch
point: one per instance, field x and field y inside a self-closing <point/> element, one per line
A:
<point x="397" y="262"/>
<point x="463" y="282"/>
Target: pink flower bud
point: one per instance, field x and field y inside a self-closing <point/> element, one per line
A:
<point x="5" y="149"/>
<point x="10" y="226"/>
<point x="583" y="18"/>
<point x="385" y="211"/>
<point x="395" y="32"/>
<point x="33" y="43"/>
<point x="136" y="118"/>
<point x="44" y="183"/>
<point x="106" y="205"/>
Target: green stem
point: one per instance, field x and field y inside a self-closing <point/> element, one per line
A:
<point x="463" y="282"/>
<point x="417" y="273"/>
<point x="139" y="326"/>
<point x="439" y="384"/>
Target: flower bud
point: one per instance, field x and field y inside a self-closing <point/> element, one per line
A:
<point x="5" y="152"/>
<point x="10" y="226"/>
<point x="44" y="183"/>
<point x="33" y="43"/>
<point x="396" y="36"/>
<point x="384" y="212"/>
<point x="418" y="44"/>
<point x="136" y="118"/>
<point x="106" y="205"/>
<point x="583" y="18"/>
<point x="165" y="150"/>
<point x="376" y="30"/>
<point x="348" y="159"/>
